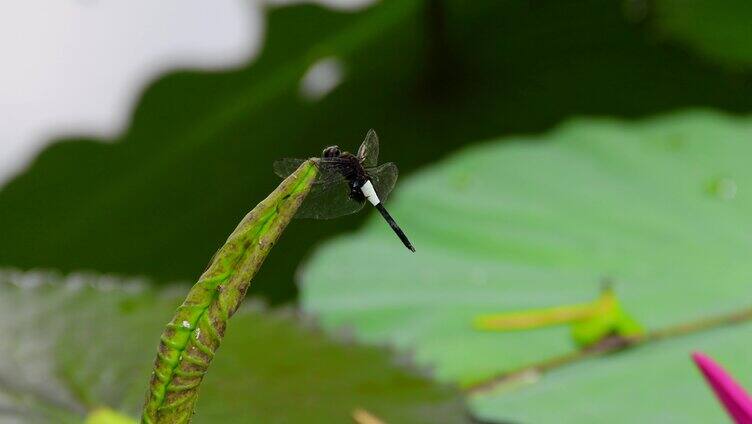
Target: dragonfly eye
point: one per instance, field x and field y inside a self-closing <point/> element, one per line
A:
<point x="332" y="152"/>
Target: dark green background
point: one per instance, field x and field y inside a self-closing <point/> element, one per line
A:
<point x="430" y="76"/>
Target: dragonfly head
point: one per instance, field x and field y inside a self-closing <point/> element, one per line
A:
<point x="332" y="152"/>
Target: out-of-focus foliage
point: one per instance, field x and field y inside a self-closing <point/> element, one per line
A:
<point x="530" y="222"/>
<point x="430" y="76"/>
<point x="72" y="346"/>
<point x="656" y="383"/>
<point x="718" y="29"/>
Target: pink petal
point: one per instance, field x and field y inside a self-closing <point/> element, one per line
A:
<point x="737" y="402"/>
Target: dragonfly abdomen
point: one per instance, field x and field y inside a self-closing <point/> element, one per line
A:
<point x="370" y="193"/>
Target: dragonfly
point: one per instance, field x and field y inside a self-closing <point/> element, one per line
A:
<point x="346" y="181"/>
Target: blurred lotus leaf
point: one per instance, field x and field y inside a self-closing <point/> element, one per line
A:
<point x="655" y="383"/>
<point x="73" y="346"/>
<point x="430" y="76"/>
<point x="528" y="222"/>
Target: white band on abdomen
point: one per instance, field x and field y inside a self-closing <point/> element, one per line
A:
<point x="370" y="193"/>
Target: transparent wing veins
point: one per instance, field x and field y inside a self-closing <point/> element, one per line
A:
<point x="384" y="177"/>
<point x="330" y="194"/>
<point x="368" y="152"/>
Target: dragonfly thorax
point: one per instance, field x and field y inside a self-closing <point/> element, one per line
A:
<point x="352" y="169"/>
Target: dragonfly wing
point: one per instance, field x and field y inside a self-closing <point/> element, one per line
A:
<point x="329" y="169"/>
<point x="330" y="199"/>
<point x="368" y="152"/>
<point x="383" y="178"/>
<point x="285" y="167"/>
<point x="330" y="194"/>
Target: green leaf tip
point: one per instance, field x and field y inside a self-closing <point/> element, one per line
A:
<point x="190" y="340"/>
<point x="590" y="322"/>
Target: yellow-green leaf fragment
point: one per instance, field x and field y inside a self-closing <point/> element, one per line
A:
<point x="591" y="322"/>
<point x="191" y="338"/>
<point x="535" y="318"/>
<point x="608" y="319"/>
<point x="107" y="416"/>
